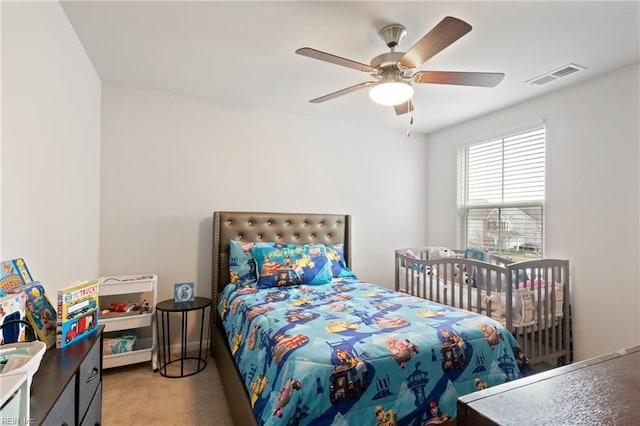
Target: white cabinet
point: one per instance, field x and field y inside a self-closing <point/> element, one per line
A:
<point x="134" y="289"/>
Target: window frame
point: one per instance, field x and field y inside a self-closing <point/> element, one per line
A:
<point x="465" y="209"/>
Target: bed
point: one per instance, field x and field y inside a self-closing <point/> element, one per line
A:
<point x="530" y="298"/>
<point x="343" y="351"/>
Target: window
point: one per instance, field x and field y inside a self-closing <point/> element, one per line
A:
<point x="501" y="195"/>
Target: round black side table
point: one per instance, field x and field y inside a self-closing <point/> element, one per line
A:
<point x="163" y="325"/>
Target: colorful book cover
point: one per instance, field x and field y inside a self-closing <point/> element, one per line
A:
<point x="13" y="274"/>
<point x="12" y="309"/>
<point x="77" y="312"/>
<point x="41" y="313"/>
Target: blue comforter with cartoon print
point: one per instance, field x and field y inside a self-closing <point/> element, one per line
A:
<point x="351" y="352"/>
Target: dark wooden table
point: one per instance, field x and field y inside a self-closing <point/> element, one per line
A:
<point x="599" y="391"/>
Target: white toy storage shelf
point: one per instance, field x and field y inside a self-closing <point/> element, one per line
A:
<point x="14" y="396"/>
<point x="136" y="289"/>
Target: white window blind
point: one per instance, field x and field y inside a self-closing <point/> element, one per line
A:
<point x="501" y="194"/>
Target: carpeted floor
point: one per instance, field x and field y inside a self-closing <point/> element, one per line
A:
<point x="135" y="395"/>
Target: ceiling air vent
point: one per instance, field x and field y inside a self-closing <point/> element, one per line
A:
<point x="556" y="74"/>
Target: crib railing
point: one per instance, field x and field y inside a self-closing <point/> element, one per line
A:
<point x="548" y="281"/>
<point x="530" y="298"/>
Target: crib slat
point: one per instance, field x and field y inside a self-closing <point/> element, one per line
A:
<point x="554" y="311"/>
<point x="541" y="318"/>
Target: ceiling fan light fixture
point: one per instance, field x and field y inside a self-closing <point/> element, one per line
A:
<point x="391" y="92"/>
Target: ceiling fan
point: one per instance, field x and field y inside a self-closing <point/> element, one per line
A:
<point x="394" y="72"/>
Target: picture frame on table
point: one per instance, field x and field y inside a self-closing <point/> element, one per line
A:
<point x="183" y="292"/>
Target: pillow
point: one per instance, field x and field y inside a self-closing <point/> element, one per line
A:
<point x="242" y="267"/>
<point x="339" y="268"/>
<point x="292" y="264"/>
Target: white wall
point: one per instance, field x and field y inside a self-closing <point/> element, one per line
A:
<point x="592" y="190"/>
<point x="169" y="161"/>
<point x="50" y="146"/>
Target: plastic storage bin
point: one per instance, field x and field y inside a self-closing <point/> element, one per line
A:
<point x="35" y="352"/>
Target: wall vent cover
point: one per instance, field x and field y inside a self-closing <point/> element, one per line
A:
<point x="555" y="74"/>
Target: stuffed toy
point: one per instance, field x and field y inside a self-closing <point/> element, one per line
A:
<point x="428" y="270"/>
<point x="465" y="278"/>
<point x="432" y="272"/>
<point x="410" y="253"/>
<point x="443" y="270"/>
<point x="440" y="253"/>
<point x="416" y="267"/>
<point x="457" y="268"/>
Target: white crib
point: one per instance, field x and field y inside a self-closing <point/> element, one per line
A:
<point x="531" y="298"/>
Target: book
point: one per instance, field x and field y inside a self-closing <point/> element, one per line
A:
<point x="12" y="309"/>
<point x="13" y="274"/>
<point x="77" y="312"/>
<point x="15" y="278"/>
<point x="41" y="313"/>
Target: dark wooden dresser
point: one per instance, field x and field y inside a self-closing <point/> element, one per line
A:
<point x="599" y="391"/>
<point x="67" y="388"/>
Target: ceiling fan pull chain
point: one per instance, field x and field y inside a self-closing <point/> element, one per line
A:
<point x="410" y="118"/>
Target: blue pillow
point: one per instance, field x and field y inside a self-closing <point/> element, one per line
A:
<point x="339" y="268"/>
<point x="291" y="265"/>
<point x="242" y="267"/>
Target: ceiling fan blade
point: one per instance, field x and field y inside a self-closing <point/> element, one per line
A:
<point x="404" y="107"/>
<point x="342" y="92"/>
<point x="481" y="79"/>
<point x="327" y="57"/>
<point x="442" y="35"/>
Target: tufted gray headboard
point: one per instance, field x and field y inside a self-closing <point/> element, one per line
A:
<point x="295" y="228"/>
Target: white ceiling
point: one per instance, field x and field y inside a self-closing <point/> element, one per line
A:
<point x="242" y="53"/>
